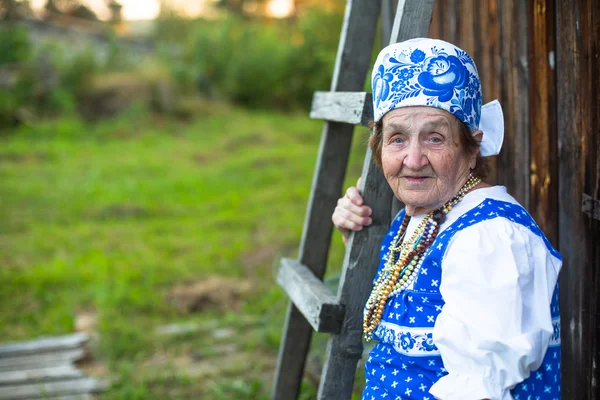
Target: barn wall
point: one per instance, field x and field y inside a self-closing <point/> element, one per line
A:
<point x="541" y="59"/>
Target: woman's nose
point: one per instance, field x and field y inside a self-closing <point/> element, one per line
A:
<point x="415" y="158"/>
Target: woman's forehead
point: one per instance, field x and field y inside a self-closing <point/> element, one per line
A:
<point x="407" y="117"/>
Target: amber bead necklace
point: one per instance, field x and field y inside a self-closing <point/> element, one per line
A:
<point x="404" y="258"/>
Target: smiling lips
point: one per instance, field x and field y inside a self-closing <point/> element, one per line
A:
<point x="415" y="179"/>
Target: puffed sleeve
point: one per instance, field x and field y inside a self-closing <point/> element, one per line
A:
<point x="497" y="282"/>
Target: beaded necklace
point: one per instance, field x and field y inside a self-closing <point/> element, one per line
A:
<point x="404" y="258"/>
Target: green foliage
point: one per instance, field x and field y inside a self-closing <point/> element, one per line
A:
<point x="257" y="63"/>
<point x="14" y="45"/>
<point x="109" y="216"/>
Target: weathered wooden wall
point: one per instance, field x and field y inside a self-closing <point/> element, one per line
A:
<point x="578" y="111"/>
<point x="541" y="59"/>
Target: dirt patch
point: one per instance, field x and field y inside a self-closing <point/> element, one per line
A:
<point x="259" y="256"/>
<point x="212" y="293"/>
<point x="252" y="140"/>
<point x="124" y="211"/>
<point x="15" y="158"/>
<point x="86" y="321"/>
<point x="203" y="158"/>
<point x="269" y="162"/>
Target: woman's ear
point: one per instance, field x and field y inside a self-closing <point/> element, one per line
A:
<point x="478" y="136"/>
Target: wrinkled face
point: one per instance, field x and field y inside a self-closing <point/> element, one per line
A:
<point x="422" y="157"/>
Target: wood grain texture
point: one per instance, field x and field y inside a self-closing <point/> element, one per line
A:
<point x="513" y="160"/>
<point x="542" y="109"/>
<point x="578" y="95"/>
<point x="42" y="345"/>
<point x="50" y="390"/>
<point x="352" y="63"/>
<point x="360" y="265"/>
<point x="41" y="360"/>
<point x="350" y="107"/>
<point x="19" y="377"/>
<point x="412" y="20"/>
<point x="310" y="295"/>
<point x="490" y="67"/>
<point x="362" y="254"/>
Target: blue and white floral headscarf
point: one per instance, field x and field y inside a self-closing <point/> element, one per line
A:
<point x="434" y="73"/>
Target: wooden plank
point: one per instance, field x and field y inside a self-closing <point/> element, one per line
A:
<point x="590" y="206"/>
<point x="578" y="95"/>
<point x="360" y="265"/>
<point x="41" y="360"/>
<point x="352" y="63"/>
<point x="542" y="115"/>
<point x="46" y="344"/>
<point x="350" y="107"/>
<point x="490" y="67"/>
<point x="388" y="9"/>
<point x="362" y="253"/>
<point x="51" y="389"/>
<point x="412" y="20"/>
<point x="18" y="377"/>
<point x="452" y="16"/>
<point x="310" y="295"/>
<point x="437" y="20"/>
<point x="513" y="161"/>
<point x="466" y="27"/>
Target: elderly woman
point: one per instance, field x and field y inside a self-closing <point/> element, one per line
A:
<point x="464" y="305"/>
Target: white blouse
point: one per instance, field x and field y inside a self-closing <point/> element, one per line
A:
<point x="498" y="279"/>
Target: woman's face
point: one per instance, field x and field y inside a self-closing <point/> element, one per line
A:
<point x="422" y="157"/>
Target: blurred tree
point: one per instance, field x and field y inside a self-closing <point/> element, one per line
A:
<point x="73" y="8"/>
<point x="244" y="8"/>
<point x="62" y="6"/>
<point x="13" y="10"/>
<point x="83" y="12"/>
<point x="115" y="11"/>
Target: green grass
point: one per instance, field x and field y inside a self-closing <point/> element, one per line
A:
<point x="106" y="218"/>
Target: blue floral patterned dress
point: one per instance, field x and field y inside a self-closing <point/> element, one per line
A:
<point x="406" y="362"/>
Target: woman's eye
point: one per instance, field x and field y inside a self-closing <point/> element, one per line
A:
<point x="398" y="140"/>
<point x="435" y="140"/>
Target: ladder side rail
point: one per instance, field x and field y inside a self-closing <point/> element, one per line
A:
<point x="362" y="254"/>
<point x="352" y="63"/>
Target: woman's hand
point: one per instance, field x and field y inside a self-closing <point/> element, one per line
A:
<point x="351" y="214"/>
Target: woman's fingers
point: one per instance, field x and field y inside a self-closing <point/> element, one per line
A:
<point x="348" y="215"/>
<point x="354" y="196"/>
<point x="351" y="214"/>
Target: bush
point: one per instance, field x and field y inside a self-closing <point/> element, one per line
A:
<point x="14" y="45"/>
<point x="44" y="81"/>
<point x="258" y="63"/>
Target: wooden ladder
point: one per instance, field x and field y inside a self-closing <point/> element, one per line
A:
<point x="312" y="305"/>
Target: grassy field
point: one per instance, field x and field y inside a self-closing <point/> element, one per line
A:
<point x="117" y="225"/>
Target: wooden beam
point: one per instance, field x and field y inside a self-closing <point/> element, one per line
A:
<point x="513" y="160"/>
<point x="352" y="63"/>
<point x="310" y="295"/>
<point x="362" y="252"/>
<point x="412" y="20"/>
<point x="578" y="107"/>
<point x="43" y="345"/>
<point x="49" y="390"/>
<point x="350" y="107"/>
<point x="542" y="115"/>
<point x="41" y="360"/>
<point x="19" y="377"/>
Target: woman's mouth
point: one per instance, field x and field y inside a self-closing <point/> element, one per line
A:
<point x="416" y="179"/>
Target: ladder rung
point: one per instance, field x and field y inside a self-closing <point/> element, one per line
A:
<point x="350" y="107"/>
<point x="310" y="295"/>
